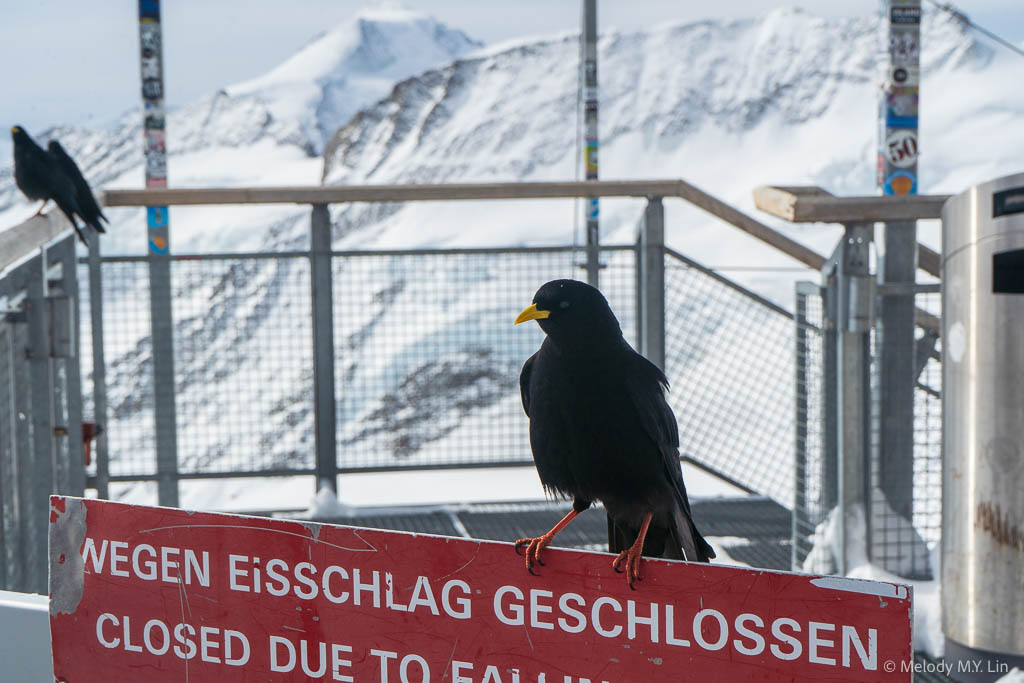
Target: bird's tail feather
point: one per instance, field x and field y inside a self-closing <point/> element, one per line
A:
<point x="695" y="548"/>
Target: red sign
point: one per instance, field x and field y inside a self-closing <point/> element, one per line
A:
<point x="160" y="594"/>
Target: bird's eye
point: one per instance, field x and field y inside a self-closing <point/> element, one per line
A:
<point x="564" y="304"/>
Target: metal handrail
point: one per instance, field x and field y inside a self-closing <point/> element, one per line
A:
<point x="27" y="237"/>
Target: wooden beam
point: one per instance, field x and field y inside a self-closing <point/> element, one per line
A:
<point x="333" y="194"/>
<point x="814" y="205"/>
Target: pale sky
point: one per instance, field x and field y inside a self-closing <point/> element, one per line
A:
<point x="76" y="61"/>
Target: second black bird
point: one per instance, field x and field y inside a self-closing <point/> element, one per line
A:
<point x="602" y="430"/>
<point x="44" y="176"/>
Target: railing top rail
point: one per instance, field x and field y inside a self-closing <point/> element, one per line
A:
<point x="331" y="194"/>
<point x="815" y="205"/>
<point x="471" y="191"/>
<point x="25" y="238"/>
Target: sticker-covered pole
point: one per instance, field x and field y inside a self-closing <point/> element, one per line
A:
<point x="590" y="134"/>
<point x="892" y="543"/>
<point x="158" y="240"/>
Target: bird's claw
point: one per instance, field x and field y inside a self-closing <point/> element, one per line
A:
<point x="628" y="562"/>
<point x="533" y="548"/>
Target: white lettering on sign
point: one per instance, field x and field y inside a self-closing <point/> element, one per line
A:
<point x="115" y="632"/>
<point x="144" y="561"/>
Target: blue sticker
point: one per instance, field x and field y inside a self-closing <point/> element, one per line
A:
<point x="149" y="9"/>
<point x="594" y="210"/>
<point x="156" y="217"/>
<point x="901" y="183"/>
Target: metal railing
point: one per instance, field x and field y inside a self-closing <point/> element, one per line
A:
<point x="868" y="427"/>
<point x="40" y="393"/>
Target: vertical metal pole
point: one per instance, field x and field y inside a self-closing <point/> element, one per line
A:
<point x="897" y="264"/>
<point x="854" y="347"/>
<point x="590" y="135"/>
<point x="38" y="468"/>
<point x="324" y="409"/>
<point x="652" y="256"/>
<point x="158" y="230"/>
<point x="800" y="451"/>
<point x="99" y="368"/>
<point x="73" y="483"/>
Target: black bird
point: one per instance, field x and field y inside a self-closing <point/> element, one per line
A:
<point x="91" y="212"/>
<point x="601" y="429"/>
<point x="39" y="176"/>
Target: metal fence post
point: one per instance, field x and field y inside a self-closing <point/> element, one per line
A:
<point x="164" y="407"/>
<point x="63" y="329"/>
<point x="99" y="368"/>
<point x="38" y="463"/>
<point x="324" y="409"/>
<point x="853" y="361"/>
<point x="894" y="458"/>
<point x="652" y="265"/>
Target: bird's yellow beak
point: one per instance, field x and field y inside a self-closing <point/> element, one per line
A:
<point x="15" y="129"/>
<point x="531" y="313"/>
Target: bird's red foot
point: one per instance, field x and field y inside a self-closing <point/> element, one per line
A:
<point x="533" y="547"/>
<point x="628" y="561"/>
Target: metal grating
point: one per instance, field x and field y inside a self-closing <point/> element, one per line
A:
<point x="729" y="357"/>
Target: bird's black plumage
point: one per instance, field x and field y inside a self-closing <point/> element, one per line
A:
<point x="600" y="425"/>
<point x="91" y="212"/>
<point x="39" y="176"/>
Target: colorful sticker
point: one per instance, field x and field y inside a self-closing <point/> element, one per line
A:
<point x="904" y="45"/>
<point x="155" y="142"/>
<point x="149" y="9"/>
<point x="905" y="15"/>
<point x="156" y="165"/>
<point x="156" y="217"/>
<point x="590" y="157"/>
<point x="901" y="107"/>
<point x="905" y="75"/>
<point x="157" y="244"/>
<point x="901" y="148"/>
<point x="901" y="183"/>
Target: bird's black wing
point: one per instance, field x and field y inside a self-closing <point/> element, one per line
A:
<point x="90" y="209"/>
<point x="646" y="386"/>
<point x="524" y="383"/>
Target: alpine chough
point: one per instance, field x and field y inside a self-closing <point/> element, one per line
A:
<point x="601" y="429"/>
<point x="91" y="212"/>
<point x="39" y="176"/>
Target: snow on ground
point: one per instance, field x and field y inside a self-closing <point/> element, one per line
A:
<point x="428" y="487"/>
<point x="927" y="628"/>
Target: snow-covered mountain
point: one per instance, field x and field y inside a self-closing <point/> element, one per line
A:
<point x="788" y="98"/>
<point x="267" y="131"/>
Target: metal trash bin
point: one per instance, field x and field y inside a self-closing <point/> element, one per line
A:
<point x="983" y="429"/>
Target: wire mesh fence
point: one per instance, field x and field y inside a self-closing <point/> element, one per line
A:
<point x="815" y="463"/>
<point x="729" y="357"/>
<point x="899" y="541"/>
<point x="904" y="524"/>
<point x="426" y="362"/>
<point x="427" y="359"/>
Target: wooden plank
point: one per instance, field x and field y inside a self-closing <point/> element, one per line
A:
<point x="25" y="238"/>
<point x="814" y="205"/>
<point x="332" y="194"/>
<point x="469" y="191"/>
<point x="750" y="225"/>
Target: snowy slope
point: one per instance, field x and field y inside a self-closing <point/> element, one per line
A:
<point x="788" y="98"/>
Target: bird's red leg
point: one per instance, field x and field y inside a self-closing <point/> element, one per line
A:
<point x="535" y="545"/>
<point x="631" y="556"/>
<point x="45" y="202"/>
